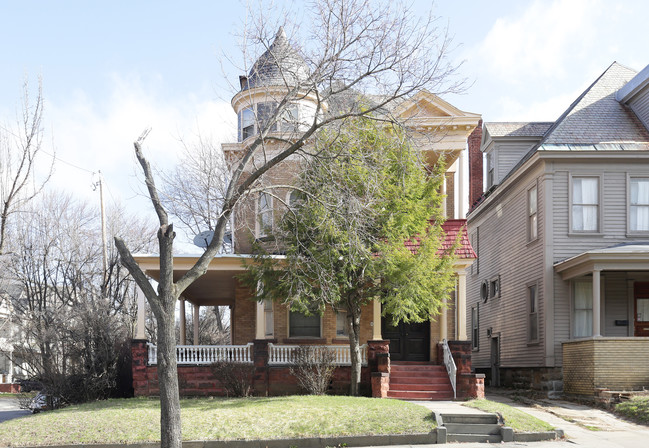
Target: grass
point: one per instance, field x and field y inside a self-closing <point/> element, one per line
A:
<point x="138" y="420"/>
<point x="514" y="418"/>
<point x="636" y="409"/>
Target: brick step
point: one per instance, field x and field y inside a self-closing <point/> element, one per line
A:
<point x="408" y="379"/>
<point x="422" y="387"/>
<point x="428" y="368"/>
<point x="412" y="363"/>
<point x="420" y="395"/>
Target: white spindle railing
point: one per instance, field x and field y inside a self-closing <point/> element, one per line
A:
<point x="206" y="354"/>
<point x="450" y="366"/>
<point x="283" y="354"/>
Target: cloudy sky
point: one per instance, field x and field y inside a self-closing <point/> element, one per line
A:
<point x="109" y="71"/>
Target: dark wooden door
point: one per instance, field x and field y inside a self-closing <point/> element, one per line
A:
<point x="641" y="310"/>
<point x="408" y="342"/>
<point x="494" y="360"/>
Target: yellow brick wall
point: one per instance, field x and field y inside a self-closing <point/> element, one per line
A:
<point x="612" y="363"/>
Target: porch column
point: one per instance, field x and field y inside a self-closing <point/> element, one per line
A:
<point x="461" y="306"/>
<point x="596" y="304"/>
<point x="443" y="321"/>
<point x="444" y="200"/>
<point x="183" y="323"/>
<point x="260" y="331"/>
<point x="460" y="212"/>
<point x="141" y="311"/>
<point x="376" y="320"/>
<point x="196" y="314"/>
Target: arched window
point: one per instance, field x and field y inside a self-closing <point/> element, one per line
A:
<point x="265" y="214"/>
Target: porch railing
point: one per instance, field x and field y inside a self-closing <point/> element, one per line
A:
<point x="206" y="354"/>
<point x="283" y="354"/>
<point x="451" y="369"/>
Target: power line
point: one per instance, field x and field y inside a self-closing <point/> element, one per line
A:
<point x="68" y="163"/>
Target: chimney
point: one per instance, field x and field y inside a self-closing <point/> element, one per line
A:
<point x="475" y="165"/>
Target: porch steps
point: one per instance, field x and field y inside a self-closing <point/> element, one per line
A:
<point x="419" y="381"/>
<point x="483" y="428"/>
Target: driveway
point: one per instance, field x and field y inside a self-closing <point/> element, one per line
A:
<point x="9" y="409"/>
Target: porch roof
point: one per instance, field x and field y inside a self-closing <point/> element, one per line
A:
<point x="214" y="288"/>
<point x="621" y="257"/>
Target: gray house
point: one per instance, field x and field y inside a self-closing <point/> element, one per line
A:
<point x="560" y="290"/>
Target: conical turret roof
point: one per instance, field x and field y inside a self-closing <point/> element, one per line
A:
<point x="280" y="65"/>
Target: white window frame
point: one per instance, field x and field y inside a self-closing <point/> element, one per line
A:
<point x="269" y="322"/>
<point x="475" y="327"/>
<point x="630" y="230"/>
<point x="532" y="312"/>
<point x="302" y="337"/>
<point x="491" y="168"/>
<point x="532" y="214"/>
<point x="261" y="230"/>
<point x="573" y="308"/>
<point x="240" y="118"/>
<point x="571" y="205"/>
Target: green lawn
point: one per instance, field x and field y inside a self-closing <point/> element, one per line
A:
<point x="514" y="418"/>
<point x="138" y="420"/>
<point x="636" y="409"/>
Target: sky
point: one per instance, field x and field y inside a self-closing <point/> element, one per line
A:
<point x="111" y="69"/>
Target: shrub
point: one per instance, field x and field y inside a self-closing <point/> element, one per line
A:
<point x="235" y="377"/>
<point x="313" y="367"/>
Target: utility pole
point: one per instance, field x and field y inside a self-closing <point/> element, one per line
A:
<point x="100" y="182"/>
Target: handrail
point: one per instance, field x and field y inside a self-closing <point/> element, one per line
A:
<point x="451" y="369"/>
<point x="206" y="354"/>
<point x="283" y="354"/>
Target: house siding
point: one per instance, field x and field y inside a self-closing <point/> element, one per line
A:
<point x="640" y="105"/>
<point x="503" y="242"/>
<point x="508" y="155"/>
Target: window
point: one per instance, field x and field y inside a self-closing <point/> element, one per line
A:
<point x="490" y="169"/>
<point x="494" y="287"/>
<point x="265" y="112"/>
<point x="585" y="204"/>
<point x="265" y="214"/>
<point x="294" y="198"/>
<point x="289" y="118"/>
<point x="268" y="318"/>
<point x="533" y="307"/>
<point x="475" y="327"/>
<point x="532" y="217"/>
<point x="639" y="204"/>
<point x="341" y="324"/>
<point x="301" y="325"/>
<point x="246" y="123"/>
<point x="582" y="308"/>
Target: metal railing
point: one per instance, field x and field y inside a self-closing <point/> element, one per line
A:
<point x="283" y="354"/>
<point x="450" y="366"/>
<point x="206" y="354"/>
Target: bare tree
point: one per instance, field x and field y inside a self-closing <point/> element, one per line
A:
<point x="355" y="49"/>
<point x="20" y="148"/>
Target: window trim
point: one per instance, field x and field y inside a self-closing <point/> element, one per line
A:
<point x="629" y="231"/>
<point x="600" y="206"/>
<point x="259" y="231"/>
<point x="533" y="314"/>
<point x="494" y="281"/>
<point x="288" y="326"/>
<point x="475" y="328"/>
<point x="529" y="213"/>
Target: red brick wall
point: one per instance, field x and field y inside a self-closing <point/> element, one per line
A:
<point x="9" y="388"/>
<point x="475" y="165"/>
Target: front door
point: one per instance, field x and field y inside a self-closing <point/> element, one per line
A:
<point x="408" y="342"/>
<point x="641" y="310"/>
<point x="495" y="361"/>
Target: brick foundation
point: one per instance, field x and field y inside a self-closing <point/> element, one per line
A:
<point x="9" y="388"/>
<point x="267" y="380"/>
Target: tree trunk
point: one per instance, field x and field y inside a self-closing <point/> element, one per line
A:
<point x="354" y="327"/>
<point x="170" y="433"/>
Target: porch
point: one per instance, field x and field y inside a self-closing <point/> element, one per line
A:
<point x="608" y="345"/>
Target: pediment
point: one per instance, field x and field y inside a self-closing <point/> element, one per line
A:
<point x="425" y="105"/>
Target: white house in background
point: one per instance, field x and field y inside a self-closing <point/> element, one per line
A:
<point x="560" y="290"/>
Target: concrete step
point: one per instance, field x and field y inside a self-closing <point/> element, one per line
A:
<point x="420" y="395"/>
<point x="472" y="428"/>
<point x="483" y="419"/>
<point x="421" y="387"/>
<point x="475" y="438"/>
